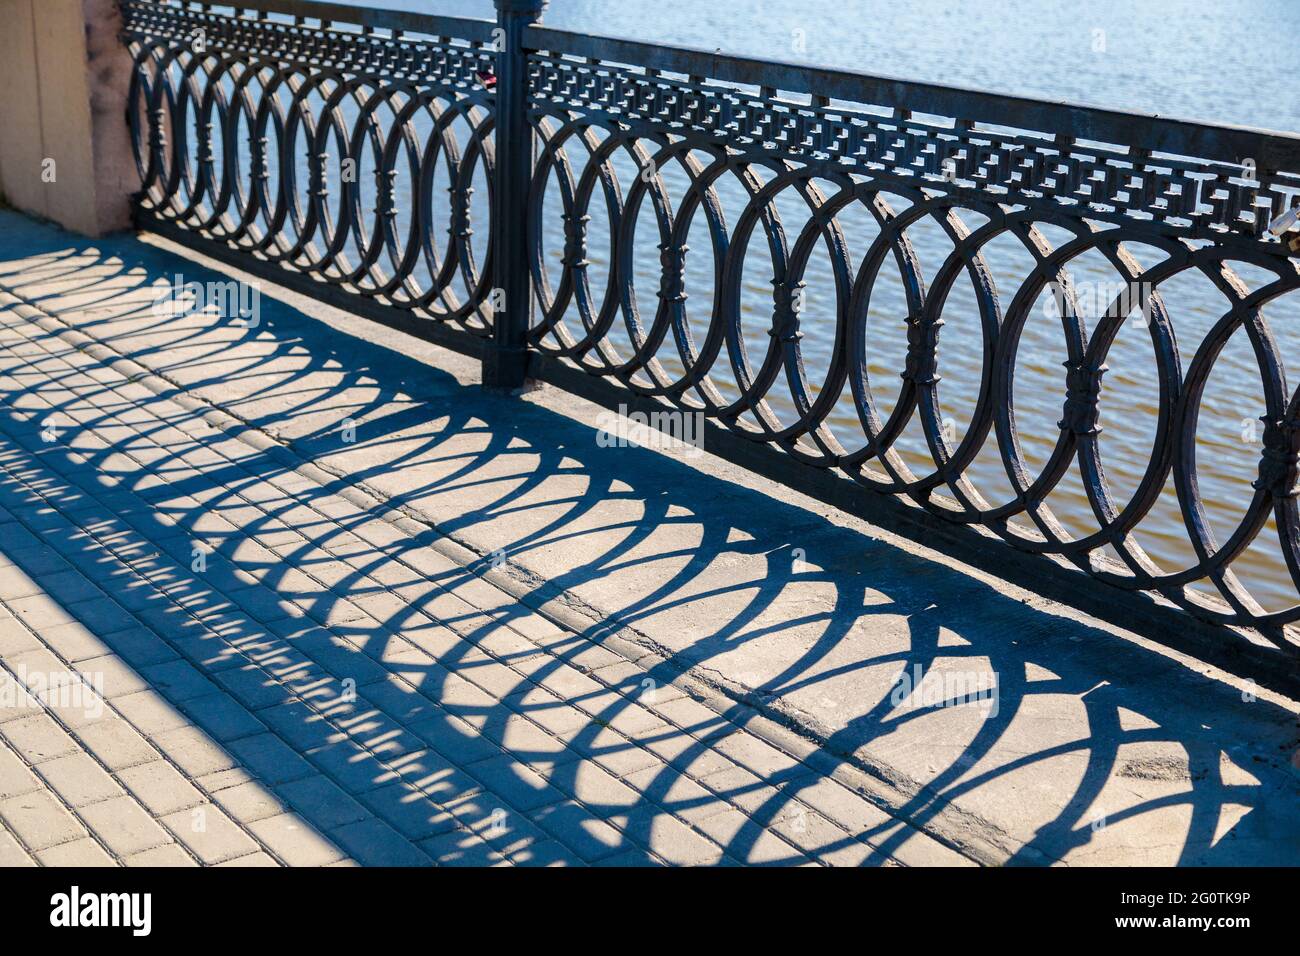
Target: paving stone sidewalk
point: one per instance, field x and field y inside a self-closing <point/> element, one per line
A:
<point x="213" y="659"/>
<point x="501" y="584"/>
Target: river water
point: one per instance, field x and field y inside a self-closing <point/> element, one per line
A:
<point x="1230" y="62"/>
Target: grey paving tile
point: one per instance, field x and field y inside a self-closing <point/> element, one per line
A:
<point x="748" y="842"/>
<point x="409" y="811"/>
<point x="178" y="681"/>
<point x="115" y="675"/>
<point x="209" y="834"/>
<point x="372" y="842"/>
<point x="296" y="843"/>
<point x="630" y="858"/>
<point x="40" y="611"/>
<point x="74" y="642"/>
<point x="37" y="738"/>
<point x="123" y="826"/>
<point x="249" y="802"/>
<point x="78" y="853"/>
<point x="149" y="713"/>
<point x="140" y="647"/>
<point x="519" y="785"/>
<point x="751" y="793"/>
<point x="510" y="832"/>
<point x="454" y="738"/>
<point x="667" y="787"/>
<point x="68" y="587"/>
<point x="15" y="638"/>
<point x="547" y="853"/>
<point x="223" y="717"/>
<point x="253" y="687"/>
<point x="78" y="780"/>
<point x="15" y="777"/>
<point x="322" y="802"/>
<point x="441" y="780"/>
<point x="17" y="583"/>
<point x="102" y="615"/>
<point x="599" y="790"/>
<point x="39" y="820"/>
<point x="298" y="724"/>
<point x="270" y="759"/>
<point x="398" y="699"/>
<point x="160" y="787"/>
<point x="115" y="743"/>
<point x="261" y="602"/>
<point x="581" y="832"/>
<point x="167" y="855"/>
<point x="193" y="751"/>
<point x="669" y="838"/>
<point x="253" y="859"/>
<point x="355" y="769"/>
<point x="755" y="755"/>
<point x="218" y="780"/>
<point x="461" y="848"/>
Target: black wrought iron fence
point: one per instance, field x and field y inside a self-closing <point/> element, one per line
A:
<point x="495" y="186"/>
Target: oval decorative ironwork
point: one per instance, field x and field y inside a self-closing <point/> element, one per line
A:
<point x="635" y="139"/>
<point x="310" y="98"/>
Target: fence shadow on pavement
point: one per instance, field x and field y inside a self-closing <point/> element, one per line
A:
<point x="1094" y="748"/>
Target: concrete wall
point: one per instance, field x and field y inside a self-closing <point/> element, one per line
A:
<point x="63" y="82"/>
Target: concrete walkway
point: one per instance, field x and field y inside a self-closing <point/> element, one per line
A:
<point x="344" y="605"/>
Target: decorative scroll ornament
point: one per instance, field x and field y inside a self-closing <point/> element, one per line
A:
<point x="1082" y="398"/>
<point x="1279" y="465"/>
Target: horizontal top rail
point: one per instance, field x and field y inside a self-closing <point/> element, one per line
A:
<point x="466" y="28"/>
<point x="1270" y="150"/>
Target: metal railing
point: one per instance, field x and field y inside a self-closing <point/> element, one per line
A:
<point x="544" y="135"/>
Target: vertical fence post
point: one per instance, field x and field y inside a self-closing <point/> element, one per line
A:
<point x="505" y="364"/>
